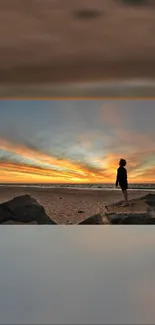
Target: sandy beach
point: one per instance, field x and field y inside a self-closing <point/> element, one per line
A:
<point x="62" y="205"/>
<point x="44" y="41"/>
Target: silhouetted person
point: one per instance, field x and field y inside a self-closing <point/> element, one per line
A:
<point x="122" y="179"/>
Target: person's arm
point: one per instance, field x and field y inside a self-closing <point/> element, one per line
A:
<point x="117" y="178"/>
<point x="126" y="175"/>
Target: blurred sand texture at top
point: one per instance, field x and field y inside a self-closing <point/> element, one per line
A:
<point x="44" y="40"/>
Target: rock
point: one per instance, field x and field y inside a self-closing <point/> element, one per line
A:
<point x="24" y="209"/>
<point x="97" y="219"/>
<point x="149" y="199"/>
<point x="139" y="212"/>
<point x="130" y="219"/>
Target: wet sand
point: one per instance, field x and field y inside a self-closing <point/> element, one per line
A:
<point x="43" y="41"/>
<point x="62" y="205"/>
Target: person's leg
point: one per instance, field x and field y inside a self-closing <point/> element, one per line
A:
<point x="126" y="196"/>
<point x="124" y="188"/>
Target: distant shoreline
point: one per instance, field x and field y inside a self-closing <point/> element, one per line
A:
<point x="78" y="188"/>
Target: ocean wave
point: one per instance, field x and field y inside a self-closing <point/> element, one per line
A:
<point x="141" y="186"/>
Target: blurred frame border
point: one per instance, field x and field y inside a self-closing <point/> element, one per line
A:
<point x="124" y="89"/>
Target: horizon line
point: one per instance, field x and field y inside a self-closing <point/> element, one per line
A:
<point x="57" y="183"/>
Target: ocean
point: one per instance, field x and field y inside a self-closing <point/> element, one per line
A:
<point x="140" y="186"/>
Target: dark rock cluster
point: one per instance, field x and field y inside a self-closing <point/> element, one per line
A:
<point x="26" y="210"/>
<point x="23" y="210"/>
<point x="139" y="212"/>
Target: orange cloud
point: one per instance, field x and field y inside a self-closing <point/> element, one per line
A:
<point x="13" y="173"/>
<point x="65" y="170"/>
<point x="70" y="171"/>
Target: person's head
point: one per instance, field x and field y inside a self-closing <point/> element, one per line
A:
<point x="122" y="163"/>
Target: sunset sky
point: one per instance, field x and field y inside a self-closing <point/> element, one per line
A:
<point x="74" y="141"/>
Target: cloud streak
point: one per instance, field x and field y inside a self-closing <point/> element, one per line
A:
<point x="76" y="141"/>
